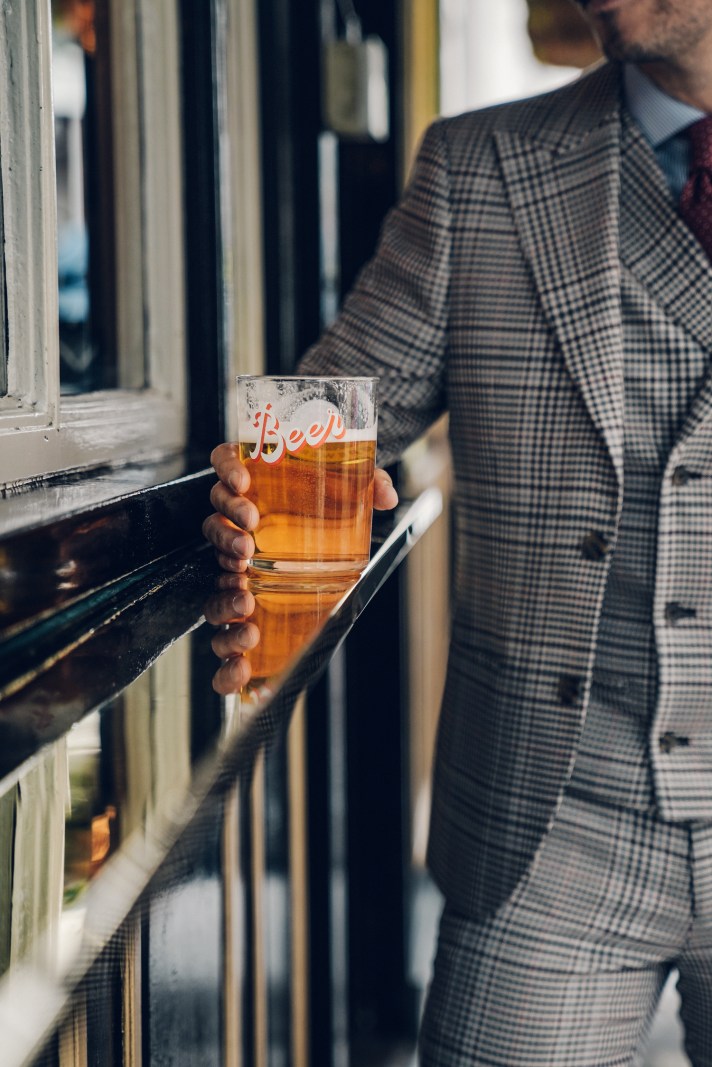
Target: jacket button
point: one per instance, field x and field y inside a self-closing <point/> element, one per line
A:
<point x="682" y="475"/>
<point x="675" y="613"/>
<point x="668" y="741"/>
<point x="594" y="547"/>
<point x="569" y="689"/>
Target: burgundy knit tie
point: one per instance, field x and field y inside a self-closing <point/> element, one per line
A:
<point x="696" y="197"/>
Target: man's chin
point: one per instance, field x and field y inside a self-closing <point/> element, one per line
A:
<point x="616" y="48"/>
<point x="622" y="52"/>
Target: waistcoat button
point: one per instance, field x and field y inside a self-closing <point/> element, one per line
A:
<point x="668" y="741"/>
<point x="594" y="546"/>
<point x="682" y="475"/>
<point x="675" y="613"/>
<point x="569" y="689"/>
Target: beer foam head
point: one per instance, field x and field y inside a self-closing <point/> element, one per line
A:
<point x="314" y="412"/>
<point x="359" y="424"/>
<point x="314" y="417"/>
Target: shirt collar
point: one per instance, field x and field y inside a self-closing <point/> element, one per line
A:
<point x="659" y="115"/>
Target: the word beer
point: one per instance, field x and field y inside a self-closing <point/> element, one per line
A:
<point x="309" y="445"/>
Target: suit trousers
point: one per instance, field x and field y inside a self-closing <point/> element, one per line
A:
<point x="569" y="970"/>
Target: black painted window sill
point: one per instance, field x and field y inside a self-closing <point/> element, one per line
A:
<point x="114" y="635"/>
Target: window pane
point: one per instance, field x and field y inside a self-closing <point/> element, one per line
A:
<point x="3" y="313"/>
<point x="80" y="72"/>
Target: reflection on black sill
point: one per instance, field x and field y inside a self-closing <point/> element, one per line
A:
<point x="276" y="624"/>
<point x="59" y="545"/>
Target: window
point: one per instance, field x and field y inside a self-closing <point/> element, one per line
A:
<point x="94" y="330"/>
<point x="78" y="76"/>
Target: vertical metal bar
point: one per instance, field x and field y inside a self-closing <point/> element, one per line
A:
<point x="299" y="886"/>
<point x="131" y="994"/>
<point x="8" y="802"/>
<point x="234" y="931"/>
<point x="259" y="970"/>
<point x="338" y="841"/>
<point x="73" y="1035"/>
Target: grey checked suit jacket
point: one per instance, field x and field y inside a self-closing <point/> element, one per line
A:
<point x="495" y="294"/>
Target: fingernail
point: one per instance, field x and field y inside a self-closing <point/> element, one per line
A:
<point x="243" y="604"/>
<point x="235" y="480"/>
<point x="248" y="520"/>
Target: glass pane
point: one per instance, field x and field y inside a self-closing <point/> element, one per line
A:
<point x="80" y="72"/>
<point x="3" y="334"/>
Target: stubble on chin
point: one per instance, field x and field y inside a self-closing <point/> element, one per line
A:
<point x="617" y="49"/>
<point x="663" y="37"/>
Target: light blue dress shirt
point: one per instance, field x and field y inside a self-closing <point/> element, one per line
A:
<point x="663" y="120"/>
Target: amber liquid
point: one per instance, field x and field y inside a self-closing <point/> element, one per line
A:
<point x="286" y="621"/>
<point x="315" y="509"/>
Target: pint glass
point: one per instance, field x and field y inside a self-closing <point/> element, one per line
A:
<point x="309" y="445"/>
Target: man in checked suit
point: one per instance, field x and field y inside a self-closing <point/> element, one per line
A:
<point x="547" y="280"/>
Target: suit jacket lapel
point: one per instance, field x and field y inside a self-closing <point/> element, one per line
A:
<point x="563" y="182"/>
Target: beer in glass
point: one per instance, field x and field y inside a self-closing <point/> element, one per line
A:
<point x="309" y="445"/>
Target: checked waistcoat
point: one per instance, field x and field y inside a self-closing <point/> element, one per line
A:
<point x="643" y="747"/>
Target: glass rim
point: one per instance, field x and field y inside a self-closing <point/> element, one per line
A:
<point x="304" y="378"/>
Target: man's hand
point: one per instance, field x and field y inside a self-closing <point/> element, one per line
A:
<point x="235" y="516"/>
<point x="230" y="609"/>
<point x="385" y="496"/>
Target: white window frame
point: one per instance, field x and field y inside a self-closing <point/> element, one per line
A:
<point x="40" y="432"/>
